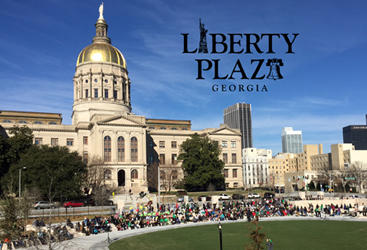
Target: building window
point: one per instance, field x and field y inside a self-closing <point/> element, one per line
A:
<point x="95" y="80"/>
<point x="225" y="158"/>
<point x="86" y="93"/>
<point x="224" y="144"/>
<point x="107" y="174"/>
<point x="134" y="149"/>
<point x="162" y="144"/>
<point x="107" y="148"/>
<point x="105" y="80"/>
<point x="173" y="128"/>
<point x="86" y="81"/>
<point x="233" y="144"/>
<point x="69" y="142"/>
<point x="54" y="141"/>
<point x="6" y="121"/>
<point x="227" y="185"/>
<point x="162" y="159"/>
<point x="121" y="149"/>
<point x="174" y="174"/>
<point x="235" y="185"/>
<point x="234" y="173"/>
<point x="134" y="174"/>
<point x="163" y="128"/>
<point x="95" y="93"/>
<point x="37" y="122"/>
<point x="151" y="128"/>
<point x="173" y="144"/>
<point x="85" y="140"/>
<point x="38" y="141"/>
<point x="234" y="158"/>
<point x="115" y="94"/>
<point x="225" y="173"/>
<point x="85" y="157"/>
<point x="174" y="159"/>
<point x="106" y="93"/>
<point x="52" y="123"/>
<point x="23" y="122"/>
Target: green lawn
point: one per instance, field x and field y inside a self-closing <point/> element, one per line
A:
<point x="294" y="235"/>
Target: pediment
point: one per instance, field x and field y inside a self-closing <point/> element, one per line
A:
<point x="120" y="121"/>
<point x="225" y="131"/>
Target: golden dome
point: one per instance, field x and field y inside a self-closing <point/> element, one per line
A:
<point x="101" y="52"/>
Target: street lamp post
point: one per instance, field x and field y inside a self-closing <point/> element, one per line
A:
<point x="20" y="181"/>
<point x="220" y="236"/>
<point x="159" y="187"/>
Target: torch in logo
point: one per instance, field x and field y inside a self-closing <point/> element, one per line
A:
<point x="203" y="46"/>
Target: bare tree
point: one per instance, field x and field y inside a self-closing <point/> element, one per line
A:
<point x="170" y="177"/>
<point x="96" y="180"/>
<point x="358" y="173"/>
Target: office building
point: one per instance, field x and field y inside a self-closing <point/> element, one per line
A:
<point x="291" y="140"/>
<point x="238" y="116"/>
<point x="256" y="167"/>
<point x="357" y="135"/>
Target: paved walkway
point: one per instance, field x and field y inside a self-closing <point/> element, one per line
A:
<point x="101" y="242"/>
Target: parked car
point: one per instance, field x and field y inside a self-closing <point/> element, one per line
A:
<point x="206" y="198"/>
<point x="224" y="197"/>
<point x="237" y="197"/>
<point x="43" y="205"/>
<point x="269" y="195"/>
<point x="73" y="204"/>
<point x="253" y="195"/>
<point x="181" y="199"/>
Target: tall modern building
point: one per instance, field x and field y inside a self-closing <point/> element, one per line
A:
<point x="357" y="135"/>
<point x="291" y="140"/>
<point x="238" y="116"/>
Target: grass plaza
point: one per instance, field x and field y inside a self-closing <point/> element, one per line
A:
<point x="284" y="234"/>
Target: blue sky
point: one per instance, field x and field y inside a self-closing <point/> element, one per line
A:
<point x="324" y="86"/>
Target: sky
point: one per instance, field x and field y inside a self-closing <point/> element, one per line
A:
<point x="323" y="89"/>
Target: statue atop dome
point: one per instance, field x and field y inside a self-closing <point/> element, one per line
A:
<point x="101" y="11"/>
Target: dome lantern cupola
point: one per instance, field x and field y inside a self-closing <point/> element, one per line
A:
<point x="101" y="82"/>
<point x="101" y="49"/>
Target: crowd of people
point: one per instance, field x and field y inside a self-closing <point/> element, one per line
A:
<point x="147" y="216"/>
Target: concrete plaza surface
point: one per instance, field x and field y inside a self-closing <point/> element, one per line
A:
<point x="101" y="242"/>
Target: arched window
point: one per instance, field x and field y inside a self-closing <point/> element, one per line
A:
<point x="107" y="174"/>
<point x="121" y="149"/>
<point x="134" y="174"/>
<point x="134" y="149"/>
<point x="107" y="148"/>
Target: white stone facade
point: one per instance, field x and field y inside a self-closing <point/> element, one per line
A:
<point x="256" y="167"/>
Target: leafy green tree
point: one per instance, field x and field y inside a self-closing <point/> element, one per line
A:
<point x="54" y="171"/>
<point x="20" y="140"/>
<point x="11" y="148"/>
<point x="201" y="164"/>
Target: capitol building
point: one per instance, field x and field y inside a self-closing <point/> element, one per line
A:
<point x="129" y="148"/>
